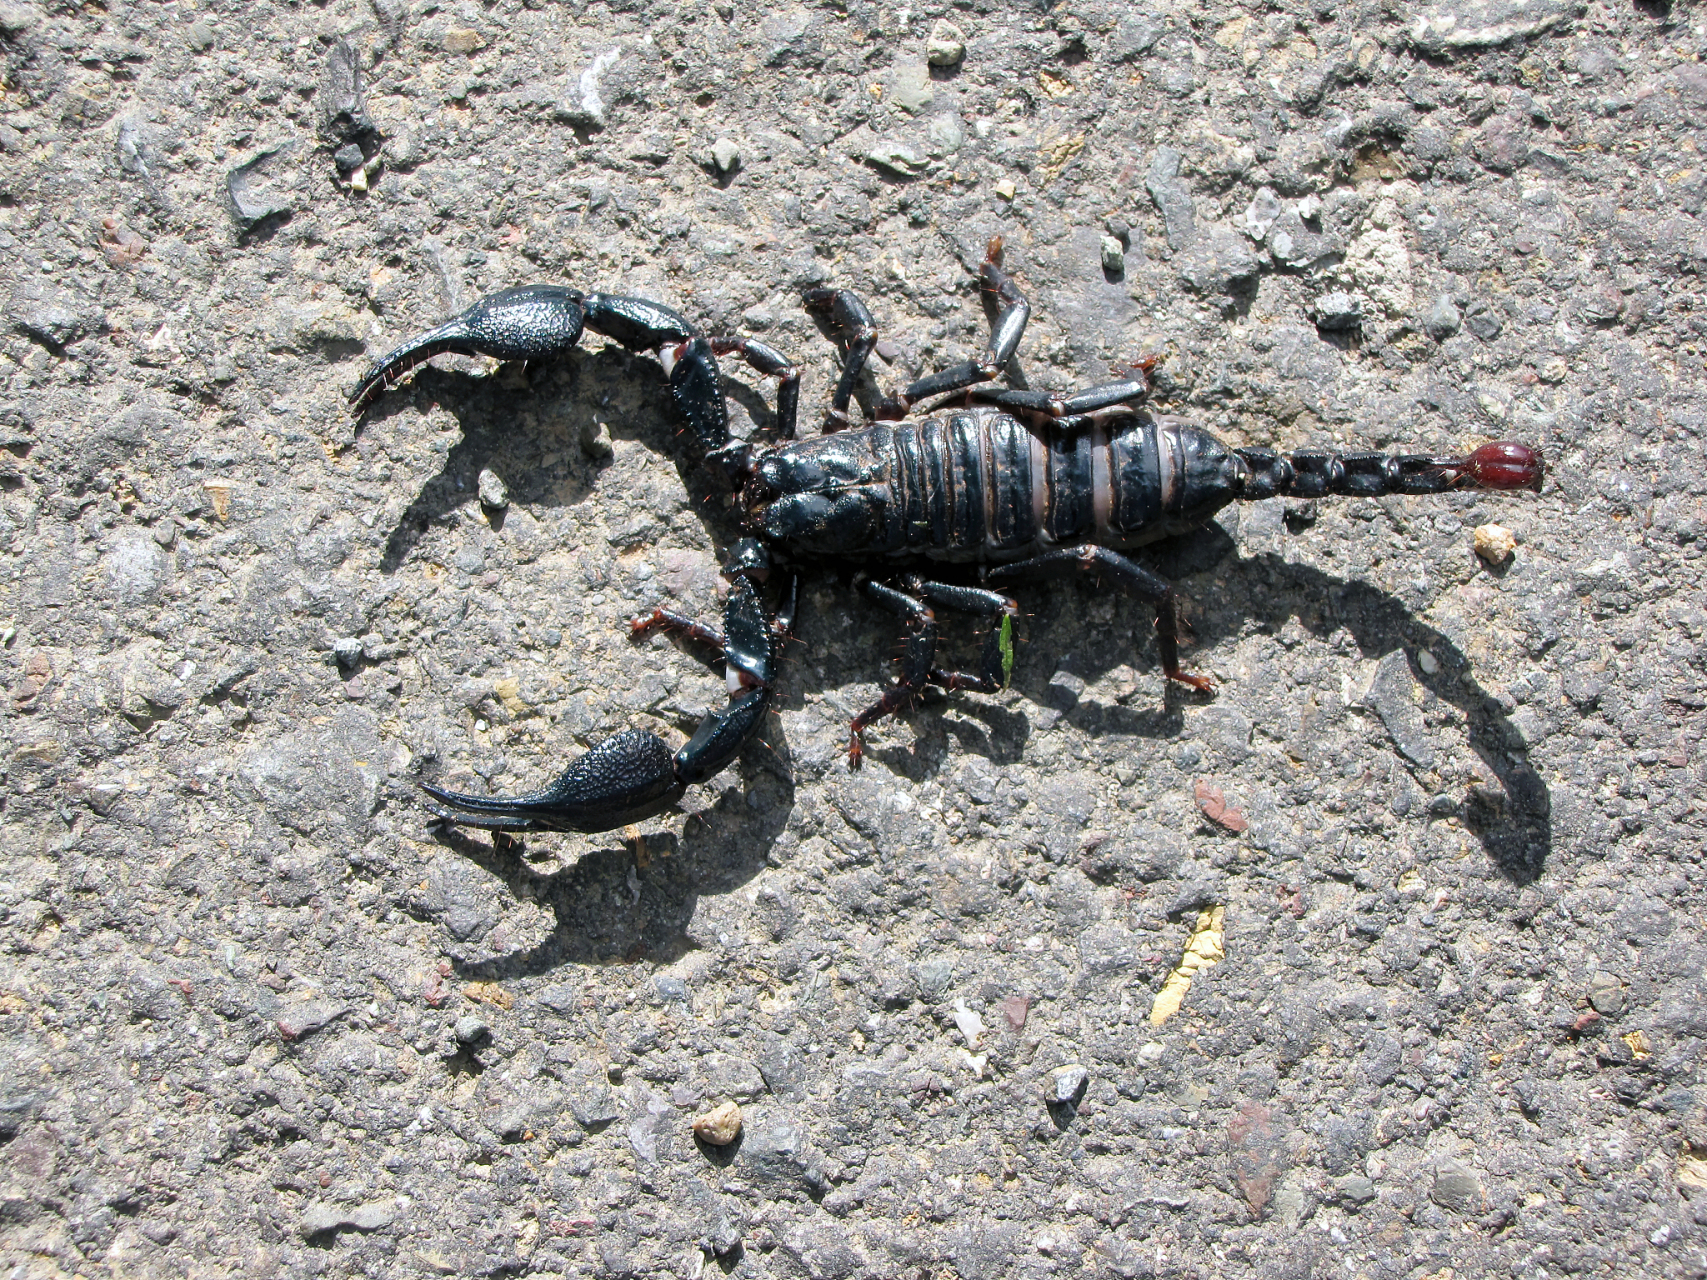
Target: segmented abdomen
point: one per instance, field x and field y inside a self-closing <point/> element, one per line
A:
<point x="981" y="485"/>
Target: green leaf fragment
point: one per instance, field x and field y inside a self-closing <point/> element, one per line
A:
<point x="1007" y="647"/>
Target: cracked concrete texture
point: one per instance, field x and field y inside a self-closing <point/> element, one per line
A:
<point x="256" y="1017"/>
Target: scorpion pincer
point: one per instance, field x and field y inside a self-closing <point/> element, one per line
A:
<point x="1023" y="485"/>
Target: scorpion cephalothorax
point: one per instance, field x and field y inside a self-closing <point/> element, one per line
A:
<point x="1024" y="484"/>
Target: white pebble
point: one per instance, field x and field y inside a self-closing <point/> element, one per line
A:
<point x="946" y="45"/>
<point x="1495" y="543"/>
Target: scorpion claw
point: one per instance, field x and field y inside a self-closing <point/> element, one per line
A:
<point x="623" y="779"/>
<point x="633" y="775"/>
<point x="532" y="322"/>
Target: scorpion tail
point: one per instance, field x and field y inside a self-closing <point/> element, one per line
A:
<point x="533" y="322"/>
<point x="1500" y="465"/>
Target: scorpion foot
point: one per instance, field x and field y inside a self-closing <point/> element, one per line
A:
<point x="1203" y="684"/>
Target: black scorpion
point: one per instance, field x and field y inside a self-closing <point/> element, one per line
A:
<point x="1024" y="484"/>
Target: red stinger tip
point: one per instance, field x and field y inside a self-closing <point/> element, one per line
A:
<point x="1505" y="465"/>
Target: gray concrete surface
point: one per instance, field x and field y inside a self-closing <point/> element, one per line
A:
<point x="257" y="1019"/>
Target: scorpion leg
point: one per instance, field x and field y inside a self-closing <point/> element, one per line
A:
<point x="1073" y="412"/>
<point x="633" y="775"/>
<point x="1014" y="311"/>
<point x="916" y="662"/>
<point x="672" y="623"/>
<point x="995" y="665"/>
<point x="848" y="316"/>
<point x="533" y="322"/>
<point x="1131" y="578"/>
<point x="771" y="362"/>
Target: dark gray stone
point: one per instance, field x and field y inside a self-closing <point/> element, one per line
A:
<point x="252" y="192"/>
<point x="1337" y="312"/>
<point x="1392" y="696"/>
<point x="53" y="316"/>
<point x="343" y="104"/>
<point x="1172" y="197"/>
<point x="777" y="1152"/>
<point x="1456" y="1188"/>
<point x="1443" y="320"/>
<point x="1354" y="1190"/>
<point x="1220" y="266"/>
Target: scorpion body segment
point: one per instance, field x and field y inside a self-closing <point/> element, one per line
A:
<point x="979" y="485"/>
<point x="1024" y="485"/>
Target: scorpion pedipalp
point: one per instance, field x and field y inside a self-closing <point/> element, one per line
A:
<point x="633" y="775"/>
<point x="623" y="779"/>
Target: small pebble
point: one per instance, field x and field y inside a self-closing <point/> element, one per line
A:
<point x="347" y="157"/>
<point x="493" y="492"/>
<point x="1066" y="1084"/>
<point x="726" y="155"/>
<point x="595" y="440"/>
<point x="896" y="158"/>
<point x="1443" y="320"/>
<point x="946" y="46"/>
<point x="718" y="1127"/>
<point x="347" y="650"/>
<point x="1494" y="543"/>
<point x="1006" y="189"/>
<point x="463" y="40"/>
<point x="471" y="1030"/>
<point x="1113" y="255"/>
<point x="1355" y="1189"/>
<point x="1606" y="994"/>
<point x="1337" y="311"/>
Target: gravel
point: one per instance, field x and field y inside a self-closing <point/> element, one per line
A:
<point x="259" y="1016"/>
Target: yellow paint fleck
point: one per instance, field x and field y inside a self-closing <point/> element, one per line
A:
<point x="1053" y="85"/>
<point x="1638" y="1043"/>
<point x="1057" y="155"/>
<point x="1205" y="950"/>
<point x="489" y="993"/>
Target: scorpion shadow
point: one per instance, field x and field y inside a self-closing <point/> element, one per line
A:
<point x="1515" y="829"/>
<point x="634" y="901"/>
<point x="544" y="463"/>
<point x="615" y="900"/>
<point x="1518" y="832"/>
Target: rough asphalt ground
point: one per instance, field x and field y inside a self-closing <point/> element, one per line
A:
<point x="256" y="1018"/>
